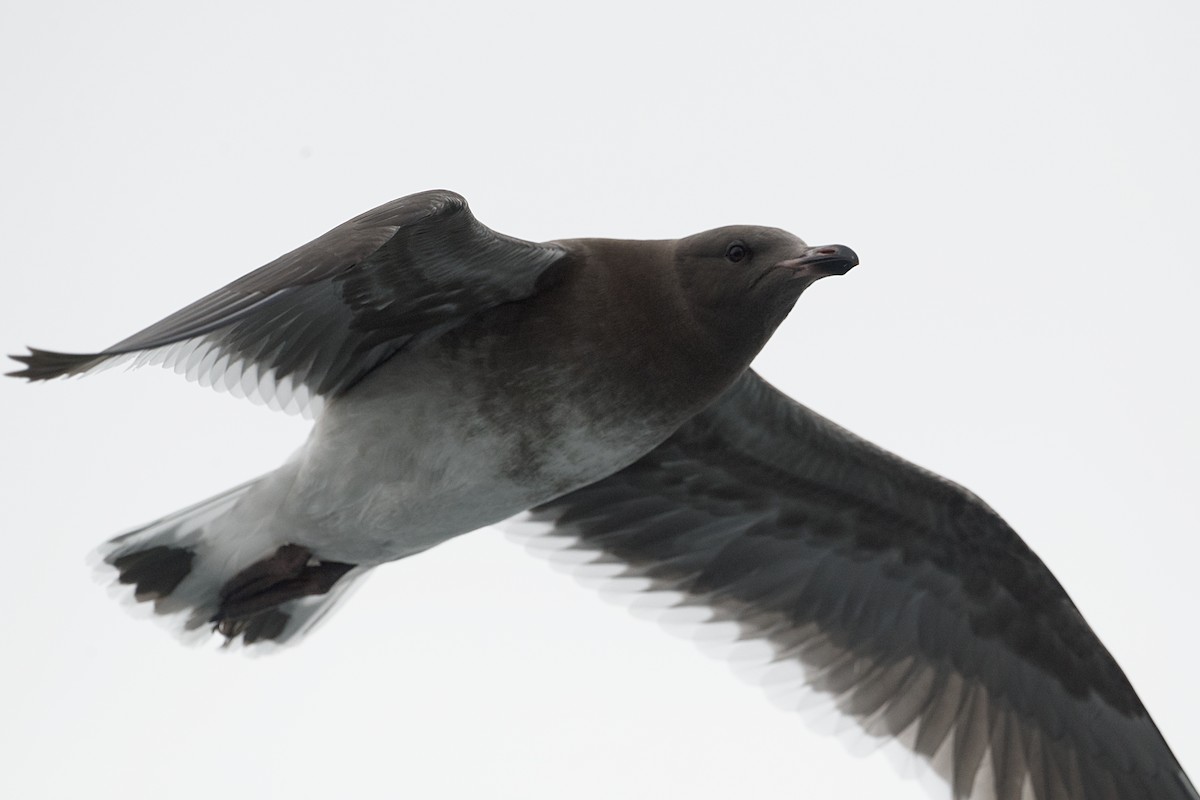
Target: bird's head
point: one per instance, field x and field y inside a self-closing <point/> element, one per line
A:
<point x="747" y="278"/>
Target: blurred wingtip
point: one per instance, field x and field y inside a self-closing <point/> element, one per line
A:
<point x="43" y="365"/>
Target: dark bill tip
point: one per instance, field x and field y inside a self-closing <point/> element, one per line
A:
<point x="821" y="261"/>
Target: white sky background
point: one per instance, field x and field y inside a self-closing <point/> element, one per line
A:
<point x="1020" y="182"/>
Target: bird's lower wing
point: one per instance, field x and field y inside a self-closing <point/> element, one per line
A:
<point x="902" y="595"/>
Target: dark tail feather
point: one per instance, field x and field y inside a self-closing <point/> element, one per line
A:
<point x="154" y="572"/>
<point x="202" y="577"/>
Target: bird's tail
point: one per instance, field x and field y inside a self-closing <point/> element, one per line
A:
<point x="198" y="569"/>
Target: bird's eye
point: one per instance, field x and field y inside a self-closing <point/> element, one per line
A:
<point x="736" y="252"/>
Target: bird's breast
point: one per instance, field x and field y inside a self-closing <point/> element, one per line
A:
<point x="442" y="441"/>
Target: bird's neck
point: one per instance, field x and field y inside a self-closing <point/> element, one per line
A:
<point x="644" y="332"/>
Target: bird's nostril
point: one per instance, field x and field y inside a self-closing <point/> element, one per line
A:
<point x="826" y="251"/>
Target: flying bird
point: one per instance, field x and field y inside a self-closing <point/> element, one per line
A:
<point x="458" y="377"/>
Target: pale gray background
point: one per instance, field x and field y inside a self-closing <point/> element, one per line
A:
<point x="1019" y="179"/>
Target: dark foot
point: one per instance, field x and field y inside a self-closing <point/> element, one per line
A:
<point x="250" y="599"/>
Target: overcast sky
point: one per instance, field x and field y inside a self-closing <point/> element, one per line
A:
<point x="1020" y="182"/>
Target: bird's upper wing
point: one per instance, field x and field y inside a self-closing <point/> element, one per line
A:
<point x="902" y="595"/>
<point x="312" y="322"/>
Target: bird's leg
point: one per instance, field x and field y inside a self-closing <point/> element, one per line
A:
<point x="285" y="575"/>
<point x="286" y="562"/>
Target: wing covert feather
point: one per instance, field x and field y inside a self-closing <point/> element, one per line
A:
<point x="312" y="322"/>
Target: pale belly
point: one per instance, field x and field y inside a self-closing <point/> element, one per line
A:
<point x="428" y="448"/>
